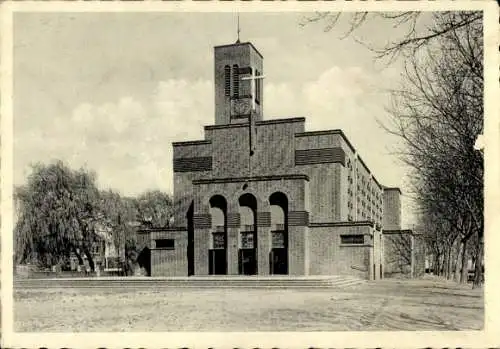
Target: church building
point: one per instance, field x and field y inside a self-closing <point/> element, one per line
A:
<point x="268" y="197"/>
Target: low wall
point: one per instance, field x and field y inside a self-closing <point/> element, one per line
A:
<point x="328" y="256"/>
<point x="169" y="261"/>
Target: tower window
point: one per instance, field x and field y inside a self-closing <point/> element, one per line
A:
<point x="236" y="81"/>
<point x="227" y="80"/>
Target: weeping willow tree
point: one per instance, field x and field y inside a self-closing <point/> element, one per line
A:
<point x="56" y="215"/>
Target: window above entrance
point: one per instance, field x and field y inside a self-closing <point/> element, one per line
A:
<point x="218" y="241"/>
<point x="278" y="239"/>
<point x="247" y="240"/>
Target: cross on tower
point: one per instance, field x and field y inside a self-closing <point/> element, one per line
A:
<point x="251" y="122"/>
<point x="253" y="78"/>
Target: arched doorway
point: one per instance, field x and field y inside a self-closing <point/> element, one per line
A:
<point x="218" y="243"/>
<point x="247" y="253"/>
<point x="278" y="258"/>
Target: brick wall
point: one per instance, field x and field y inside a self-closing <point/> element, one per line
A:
<point x="183" y="187"/>
<point x="166" y="262"/>
<point x="261" y="190"/>
<point x="297" y="250"/>
<point x="392" y="209"/>
<point x="294" y="189"/>
<point x="327" y="256"/>
<point x="327" y="179"/>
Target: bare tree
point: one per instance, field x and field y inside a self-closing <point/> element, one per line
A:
<point x="438" y="114"/>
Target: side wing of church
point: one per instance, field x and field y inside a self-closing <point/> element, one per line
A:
<point x="265" y="197"/>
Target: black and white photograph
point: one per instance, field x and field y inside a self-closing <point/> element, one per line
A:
<point x="245" y="169"/>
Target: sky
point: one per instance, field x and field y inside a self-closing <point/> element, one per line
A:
<point x="112" y="91"/>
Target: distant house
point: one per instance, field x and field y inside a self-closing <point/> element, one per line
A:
<point x="104" y="252"/>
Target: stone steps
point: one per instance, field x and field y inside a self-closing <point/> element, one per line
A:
<point x="193" y="282"/>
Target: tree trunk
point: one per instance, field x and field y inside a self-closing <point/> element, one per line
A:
<point x="447" y="263"/>
<point x="478" y="270"/>
<point x="435" y="267"/>
<point x="458" y="261"/>
<point x="450" y="263"/>
<point x="80" y="259"/>
<point x="90" y="260"/>
<point x="465" y="270"/>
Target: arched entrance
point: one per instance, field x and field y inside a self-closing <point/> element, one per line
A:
<point x="217" y="254"/>
<point x="247" y="253"/>
<point x="278" y="258"/>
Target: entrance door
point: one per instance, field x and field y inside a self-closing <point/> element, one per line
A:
<point x="247" y="261"/>
<point x="217" y="254"/>
<point x="278" y="258"/>
<point x="217" y="262"/>
<point x="247" y="256"/>
<point x="279" y="261"/>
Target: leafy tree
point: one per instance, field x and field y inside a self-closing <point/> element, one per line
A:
<point x="155" y="208"/>
<point x="56" y="214"/>
<point x="61" y="211"/>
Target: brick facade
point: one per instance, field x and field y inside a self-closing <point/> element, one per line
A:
<point x="392" y="209"/>
<point x="331" y="205"/>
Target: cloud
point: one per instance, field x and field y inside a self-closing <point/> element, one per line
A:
<point x="128" y="141"/>
<point x="282" y="100"/>
<point x="185" y="107"/>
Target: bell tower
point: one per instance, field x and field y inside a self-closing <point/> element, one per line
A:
<point x="235" y="64"/>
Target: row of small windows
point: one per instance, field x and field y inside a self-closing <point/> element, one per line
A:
<point x="247" y="240"/>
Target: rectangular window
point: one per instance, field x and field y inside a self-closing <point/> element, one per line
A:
<point x="218" y="241"/>
<point x="247" y="240"/>
<point x="278" y="239"/>
<point x="352" y="239"/>
<point x="165" y="243"/>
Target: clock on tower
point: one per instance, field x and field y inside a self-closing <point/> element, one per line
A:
<point x="241" y="107"/>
